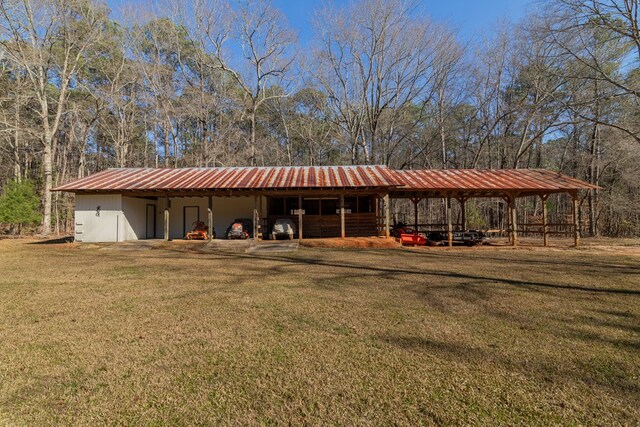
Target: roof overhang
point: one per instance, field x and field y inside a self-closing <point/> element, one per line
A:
<point x="247" y="179"/>
<point x="312" y="180"/>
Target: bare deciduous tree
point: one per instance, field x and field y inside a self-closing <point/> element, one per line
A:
<point x="579" y="27"/>
<point x="50" y="42"/>
<point x="222" y="83"/>
<point x="259" y="32"/>
<point x="375" y="61"/>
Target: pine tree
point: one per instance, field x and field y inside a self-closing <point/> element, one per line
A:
<point x="19" y="205"/>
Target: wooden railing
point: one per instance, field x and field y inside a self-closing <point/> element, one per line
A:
<point x="523" y="228"/>
<point x="558" y="229"/>
<point x="356" y="224"/>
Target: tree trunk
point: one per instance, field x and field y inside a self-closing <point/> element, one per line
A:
<point x="165" y="135"/>
<point x="82" y="162"/>
<point x="175" y="145"/>
<point x="16" y="143"/>
<point x="365" y="149"/>
<point x="204" y="134"/>
<point x="354" y="151"/>
<point x="441" y="129"/>
<point x="252" y="142"/>
<point x="591" y="197"/>
<point x="48" y="184"/>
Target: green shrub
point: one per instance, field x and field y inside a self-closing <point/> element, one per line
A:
<point x="19" y="204"/>
<point x="475" y="219"/>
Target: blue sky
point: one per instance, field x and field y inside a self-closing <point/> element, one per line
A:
<point x="470" y="18"/>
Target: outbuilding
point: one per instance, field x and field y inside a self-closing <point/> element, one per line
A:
<point x="322" y="201"/>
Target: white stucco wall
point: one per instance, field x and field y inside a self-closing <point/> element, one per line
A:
<point x="225" y="210"/>
<point x="176" y="220"/>
<point x="122" y="218"/>
<point x="98" y="225"/>
<point x="135" y="215"/>
<point x="118" y="219"/>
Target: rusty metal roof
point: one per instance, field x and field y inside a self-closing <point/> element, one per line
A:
<point x="480" y="181"/>
<point x="235" y="178"/>
<point x="487" y="180"/>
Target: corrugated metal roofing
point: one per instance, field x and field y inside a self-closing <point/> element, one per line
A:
<point x="240" y="178"/>
<point x="317" y="177"/>
<point x="489" y="180"/>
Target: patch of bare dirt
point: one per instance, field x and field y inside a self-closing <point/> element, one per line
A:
<point x="351" y="242"/>
<point x="621" y="246"/>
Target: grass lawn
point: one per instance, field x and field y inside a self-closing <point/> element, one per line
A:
<point x="101" y="335"/>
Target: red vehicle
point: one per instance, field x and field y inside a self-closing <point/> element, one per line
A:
<point x="199" y="232"/>
<point x="399" y="228"/>
<point x="413" y="239"/>
<point x="407" y="236"/>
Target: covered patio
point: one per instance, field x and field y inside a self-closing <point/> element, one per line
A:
<point x="321" y="201"/>
<point x="506" y="184"/>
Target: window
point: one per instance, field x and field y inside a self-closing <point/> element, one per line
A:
<point x="330" y="206"/>
<point x="311" y="206"/>
<point x="282" y="205"/>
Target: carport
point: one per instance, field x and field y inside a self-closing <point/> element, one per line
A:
<point x="322" y="201"/>
<point x="506" y="184"/>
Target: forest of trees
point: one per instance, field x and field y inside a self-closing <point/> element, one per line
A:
<point x="227" y="83"/>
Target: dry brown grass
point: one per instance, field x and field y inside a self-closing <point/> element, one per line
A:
<point x="102" y="335"/>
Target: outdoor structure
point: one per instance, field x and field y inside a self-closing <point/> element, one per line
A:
<point x="508" y="184"/>
<point x="322" y="201"/>
<point x="139" y="203"/>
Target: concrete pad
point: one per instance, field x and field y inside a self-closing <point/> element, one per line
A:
<point x="133" y="245"/>
<point x="229" y="245"/>
<point x="273" y="247"/>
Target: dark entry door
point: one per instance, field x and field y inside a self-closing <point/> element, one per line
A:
<point x="191" y="214"/>
<point x="151" y="222"/>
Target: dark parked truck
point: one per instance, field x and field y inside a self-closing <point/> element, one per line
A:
<point x="469" y="237"/>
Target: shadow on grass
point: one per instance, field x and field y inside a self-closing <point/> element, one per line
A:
<point x="57" y="241"/>
<point x="543" y="368"/>
<point x="529" y="260"/>
<point x="434" y="286"/>
<point x="614" y="328"/>
<point x="390" y="272"/>
<point x="603" y="338"/>
<point x="403" y="271"/>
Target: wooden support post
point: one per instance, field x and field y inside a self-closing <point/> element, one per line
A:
<point x="545" y="220"/>
<point x="256" y="218"/>
<point x="509" y="218"/>
<point x="262" y="215"/>
<point x="263" y="219"/>
<point x="463" y="212"/>
<point x="387" y="216"/>
<point x="576" y="225"/>
<point x="343" y="231"/>
<point x="166" y="218"/>
<point x="415" y="201"/>
<point x="210" y="217"/>
<point x="449" y="224"/>
<point x="513" y="220"/>
<point x="427" y="212"/>
<point x="320" y="214"/>
<point x="378" y="214"/>
<point x="299" y="217"/>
